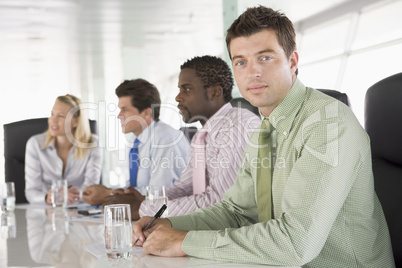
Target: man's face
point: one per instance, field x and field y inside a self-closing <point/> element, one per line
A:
<point x="194" y="104"/>
<point x="131" y="119"/>
<point x="264" y="74"/>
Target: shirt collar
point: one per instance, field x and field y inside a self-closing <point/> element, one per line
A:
<point x="284" y="114"/>
<point x="213" y="122"/>
<point x="53" y="147"/>
<point x="51" y="144"/>
<point x="146" y="133"/>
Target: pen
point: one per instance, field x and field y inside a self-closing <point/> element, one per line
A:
<point x="157" y="216"/>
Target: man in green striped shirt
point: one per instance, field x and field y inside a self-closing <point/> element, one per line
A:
<point x="321" y="209"/>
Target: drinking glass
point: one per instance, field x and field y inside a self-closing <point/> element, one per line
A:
<point x="118" y="231"/>
<point x="157" y="197"/>
<point x="7" y="196"/>
<point x="8" y="226"/>
<point x="59" y="193"/>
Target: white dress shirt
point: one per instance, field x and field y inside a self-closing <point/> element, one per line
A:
<point x="163" y="155"/>
<point x="43" y="165"/>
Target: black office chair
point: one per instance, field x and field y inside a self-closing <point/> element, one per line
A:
<point x="336" y="94"/>
<point x="383" y="123"/>
<point x="16" y="135"/>
<point x="243" y="103"/>
<point x="189" y="132"/>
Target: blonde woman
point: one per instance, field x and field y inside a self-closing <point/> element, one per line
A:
<point x="66" y="151"/>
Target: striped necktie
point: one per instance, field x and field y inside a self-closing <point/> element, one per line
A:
<point x="199" y="160"/>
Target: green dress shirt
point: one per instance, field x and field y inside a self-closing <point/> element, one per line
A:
<point x="326" y="213"/>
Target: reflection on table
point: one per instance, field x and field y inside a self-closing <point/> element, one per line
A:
<point x="42" y="237"/>
<point x="54" y="240"/>
<point x="8" y="225"/>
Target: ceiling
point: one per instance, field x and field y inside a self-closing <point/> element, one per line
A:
<point x="87" y="47"/>
<point x="36" y="36"/>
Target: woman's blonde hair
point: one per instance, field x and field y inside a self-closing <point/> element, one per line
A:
<point x="80" y="136"/>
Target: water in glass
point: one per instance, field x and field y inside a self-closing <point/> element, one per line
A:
<point x="118" y="231"/>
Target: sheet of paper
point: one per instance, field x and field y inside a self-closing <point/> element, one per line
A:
<point x="44" y="205"/>
<point x="99" y="251"/>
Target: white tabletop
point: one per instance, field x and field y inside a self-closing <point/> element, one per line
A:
<point x="40" y="236"/>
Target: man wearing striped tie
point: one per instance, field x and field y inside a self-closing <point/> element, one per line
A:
<point x="205" y="91"/>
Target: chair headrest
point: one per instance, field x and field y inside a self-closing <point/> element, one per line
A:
<point x="243" y="103"/>
<point x="383" y="118"/>
<point x="336" y="94"/>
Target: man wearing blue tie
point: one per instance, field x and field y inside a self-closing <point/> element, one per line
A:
<point x="156" y="144"/>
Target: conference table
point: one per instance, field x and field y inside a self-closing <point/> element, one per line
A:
<point x="42" y="236"/>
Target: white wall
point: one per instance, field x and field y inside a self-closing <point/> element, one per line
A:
<point x="348" y="51"/>
<point x="351" y="52"/>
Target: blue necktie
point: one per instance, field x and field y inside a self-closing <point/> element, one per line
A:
<point x="134" y="163"/>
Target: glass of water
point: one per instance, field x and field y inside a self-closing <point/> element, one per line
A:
<point x="157" y="197"/>
<point x="7" y="195"/>
<point x="59" y="193"/>
<point x="118" y="231"/>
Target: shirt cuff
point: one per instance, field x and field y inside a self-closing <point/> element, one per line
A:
<point x="199" y="244"/>
<point x="196" y="243"/>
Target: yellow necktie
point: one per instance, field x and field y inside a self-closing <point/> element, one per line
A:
<point x="264" y="175"/>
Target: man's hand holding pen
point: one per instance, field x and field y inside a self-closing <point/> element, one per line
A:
<point x="140" y="234"/>
<point x="161" y="239"/>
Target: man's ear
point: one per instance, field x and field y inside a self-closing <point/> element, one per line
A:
<point x="215" y="92"/>
<point x="294" y="61"/>
<point x="147" y="113"/>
